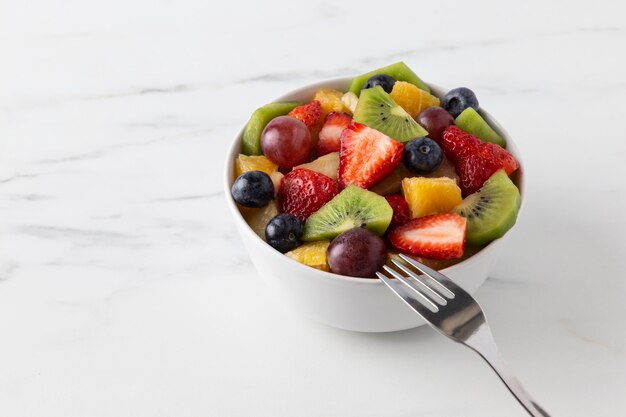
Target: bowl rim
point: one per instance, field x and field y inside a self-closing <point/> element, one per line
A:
<point x="235" y="146"/>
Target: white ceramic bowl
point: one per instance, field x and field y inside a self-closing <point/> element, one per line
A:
<point x="358" y="304"/>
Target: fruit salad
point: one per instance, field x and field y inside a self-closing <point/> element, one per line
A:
<point x="346" y="181"/>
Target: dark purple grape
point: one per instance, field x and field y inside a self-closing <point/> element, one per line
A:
<point x="357" y="253"/>
<point x="286" y="141"/>
<point x="435" y="120"/>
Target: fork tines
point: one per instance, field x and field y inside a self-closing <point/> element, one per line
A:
<point x="433" y="289"/>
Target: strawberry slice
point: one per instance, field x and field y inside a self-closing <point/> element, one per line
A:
<point x="439" y="236"/>
<point x="367" y="156"/>
<point x="475" y="160"/>
<point x="309" y="114"/>
<point x="302" y="192"/>
<point x="401" y="212"/>
<point x="329" y="136"/>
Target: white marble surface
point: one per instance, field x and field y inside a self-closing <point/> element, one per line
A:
<point x="123" y="288"/>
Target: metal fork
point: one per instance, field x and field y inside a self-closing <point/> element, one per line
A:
<point x="451" y="311"/>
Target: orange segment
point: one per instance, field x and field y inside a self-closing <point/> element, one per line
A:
<point x="312" y="254"/>
<point x="411" y="98"/>
<point x="331" y="101"/>
<point x="430" y="195"/>
<point x="245" y="163"/>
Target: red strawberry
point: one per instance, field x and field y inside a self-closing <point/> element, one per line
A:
<point x="494" y="152"/>
<point x="401" y="212"/>
<point x="330" y="134"/>
<point x="366" y="156"/>
<point x="457" y="143"/>
<point x="303" y="192"/>
<point x="475" y="160"/>
<point x="438" y="236"/>
<point x="309" y="114"/>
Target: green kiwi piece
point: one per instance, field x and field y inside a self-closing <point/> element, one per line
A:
<point x="492" y="210"/>
<point x="398" y="71"/>
<point x="353" y="207"/>
<point x="251" y="138"/>
<point x="470" y="121"/>
<point x="377" y="110"/>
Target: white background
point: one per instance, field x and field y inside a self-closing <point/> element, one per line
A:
<point x="124" y="290"/>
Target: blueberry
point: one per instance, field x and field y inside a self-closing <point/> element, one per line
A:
<point x="253" y="189"/>
<point x="383" y="80"/>
<point x="284" y="232"/>
<point x="422" y="155"/>
<point x="458" y="99"/>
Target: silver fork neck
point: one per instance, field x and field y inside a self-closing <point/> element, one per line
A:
<point x="482" y="342"/>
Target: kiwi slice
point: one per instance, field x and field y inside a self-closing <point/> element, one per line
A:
<point x="251" y="138"/>
<point x="492" y="210"/>
<point x="378" y="111"/>
<point x="398" y="71"/>
<point x="353" y="207"/>
<point x="470" y="121"/>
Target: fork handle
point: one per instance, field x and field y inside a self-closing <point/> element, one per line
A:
<point x="482" y="342"/>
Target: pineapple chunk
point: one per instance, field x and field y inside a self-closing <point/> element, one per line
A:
<point x="245" y="163"/>
<point x="312" y="254"/>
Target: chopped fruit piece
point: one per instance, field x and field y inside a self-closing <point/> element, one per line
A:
<point x="383" y="80"/>
<point x="286" y="141"/>
<point x="258" y="218"/>
<point x="276" y="177"/>
<point x="350" y="100"/>
<point x="309" y="114"/>
<point x="312" y="254"/>
<point x="251" y="138"/>
<point x="245" y="163"/>
<point x="378" y="111"/>
<point x="430" y="195"/>
<point x="440" y="236"/>
<point x="401" y="211"/>
<point x="472" y="122"/>
<point x="302" y="192"/>
<point x="284" y="232"/>
<point x="422" y="155"/>
<point x="329" y="136"/>
<point x="457" y="144"/>
<point x="330" y="101"/>
<point x="327" y="165"/>
<point x="398" y="71"/>
<point x="492" y="210"/>
<point x="475" y="160"/>
<point x="367" y="156"/>
<point x="459" y="99"/>
<point x="411" y="98"/>
<point x="393" y="182"/>
<point x="435" y="120"/>
<point x="253" y="189"/>
<point x="357" y="253"/>
<point x="353" y="207"/>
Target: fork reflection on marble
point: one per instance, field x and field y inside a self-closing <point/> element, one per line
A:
<point x="451" y="311"/>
